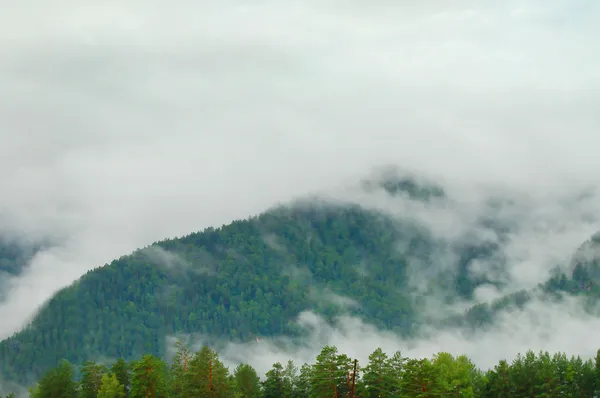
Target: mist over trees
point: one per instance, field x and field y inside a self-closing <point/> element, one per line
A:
<point x="252" y="278"/>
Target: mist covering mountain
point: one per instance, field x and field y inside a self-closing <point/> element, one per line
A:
<point x="15" y="253"/>
<point x="126" y="123"/>
<point x="256" y="277"/>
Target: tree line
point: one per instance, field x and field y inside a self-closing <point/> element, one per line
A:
<point x="332" y="374"/>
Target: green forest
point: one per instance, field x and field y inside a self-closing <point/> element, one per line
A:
<point x="331" y="374"/>
<point x="252" y="278"/>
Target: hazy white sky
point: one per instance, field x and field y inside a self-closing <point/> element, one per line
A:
<point x="122" y="123"/>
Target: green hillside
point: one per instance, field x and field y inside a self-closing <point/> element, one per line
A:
<point x="250" y="278"/>
<point x="254" y="277"/>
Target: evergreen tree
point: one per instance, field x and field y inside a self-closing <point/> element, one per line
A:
<point x="421" y="378"/>
<point x="179" y="371"/>
<point x="290" y="376"/>
<point x="455" y="375"/>
<point x="597" y="373"/>
<point x="247" y="382"/>
<point x="202" y="374"/>
<point x="281" y="381"/>
<point x="273" y="384"/>
<point x="110" y="387"/>
<point x="379" y="377"/>
<point x="149" y="379"/>
<point x="121" y="370"/>
<point x="303" y="381"/>
<point x="331" y="374"/>
<point x="207" y="376"/>
<point x="57" y="383"/>
<point x="91" y="379"/>
<point x="499" y="382"/>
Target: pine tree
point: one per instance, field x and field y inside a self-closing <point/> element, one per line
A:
<point x="149" y="379"/>
<point x="121" y="369"/>
<point x="179" y="370"/>
<point x="57" y="383"/>
<point x="330" y="374"/>
<point x="273" y="384"/>
<point x="91" y="379"/>
<point x="247" y="381"/>
<point x="303" y="381"/>
<point x="499" y="381"/>
<point x="420" y="379"/>
<point x="207" y="376"/>
<point x="110" y="387"/>
<point x="377" y="378"/>
<point x="290" y="376"/>
<point x="454" y="375"/>
<point x="597" y="373"/>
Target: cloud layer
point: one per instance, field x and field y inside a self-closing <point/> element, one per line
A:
<point x="536" y="328"/>
<point x="122" y="123"/>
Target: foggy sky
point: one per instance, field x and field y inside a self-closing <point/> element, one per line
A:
<point x="123" y="123"/>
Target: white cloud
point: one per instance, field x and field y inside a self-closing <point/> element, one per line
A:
<point x="536" y="328"/>
<point x="122" y="123"/>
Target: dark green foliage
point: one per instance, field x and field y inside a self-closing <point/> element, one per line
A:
<point x="202" y="375"/>
<point x="249" y="278"/>
<point x="412" y="189"/>
<point x="380" y="376"/>
<point x="330" y="373"/>
<point x="122" y="372"/>
<point x="57" y="383"/>
<point x="110" y="387"/>
<point x="91" y="379"/>
<point x="247" y="382"/>
<point x="149" y="378"/>
<point x="207" y="376"/>
<point x="275" y="385"/>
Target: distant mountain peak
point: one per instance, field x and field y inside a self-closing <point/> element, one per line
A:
<point x="398" y="182"/>
<point x="586" y="262"/>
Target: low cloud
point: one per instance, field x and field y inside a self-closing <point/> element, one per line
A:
<point x="326" y="295"/>
<point x="175" y="262"/>
<point x="559" y="326"/>
<point x="124" y="123"/>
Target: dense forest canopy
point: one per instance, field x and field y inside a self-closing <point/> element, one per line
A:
<point x="253" y="277"/>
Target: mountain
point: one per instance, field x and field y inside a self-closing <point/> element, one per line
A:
<point x="253" y="277"/>
<point x="250" y="278"/>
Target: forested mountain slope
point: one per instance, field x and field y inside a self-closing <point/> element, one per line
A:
<point x="254" y="277"/>
<point x="250" y="278"/>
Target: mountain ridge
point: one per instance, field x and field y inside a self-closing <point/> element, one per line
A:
<point x="252" y="277"/>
